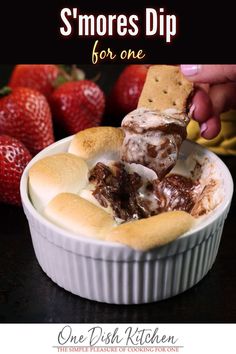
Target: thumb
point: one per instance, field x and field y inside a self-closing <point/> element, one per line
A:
<point x="211" y="74"/>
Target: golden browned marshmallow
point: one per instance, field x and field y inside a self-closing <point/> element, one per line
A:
<point x="97" y="142"/>
<point x="79" y="216"/>
<point x="55" y="174"/>
<point x="155" y="231"/>
<point x="156" y="129"/>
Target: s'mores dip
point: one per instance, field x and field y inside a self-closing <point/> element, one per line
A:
<point x="119" y="184"/>
<point x="133" y="214"/>
<point x="90" y="190"/>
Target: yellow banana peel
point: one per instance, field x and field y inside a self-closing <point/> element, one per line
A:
<point x="193" y="131"/>
<point x="213" y="142"/>
<point x="225" y="142"/>
<point x="229" y="143"/>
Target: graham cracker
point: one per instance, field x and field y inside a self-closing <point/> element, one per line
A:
<point x="165" y="87"/>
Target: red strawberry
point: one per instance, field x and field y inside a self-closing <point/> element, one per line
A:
<point x="13" y="158"/>
<point x="78" y="105"/>
<point x="39" y="77"/>
<point x="126" y="90"/>
<point x="25" y="115"/>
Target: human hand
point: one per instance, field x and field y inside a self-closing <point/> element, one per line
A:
<point x="215" y="94"/>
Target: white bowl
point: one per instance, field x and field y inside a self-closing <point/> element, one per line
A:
<point x="113" y="273"/>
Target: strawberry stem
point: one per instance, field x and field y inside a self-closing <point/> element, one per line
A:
<point x="68" y="73"/>
<point x="5" y="91"/>
<point x="96" y="77"/>
<point x="77" y="74"/>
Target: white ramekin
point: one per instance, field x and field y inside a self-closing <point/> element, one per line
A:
<point x="113" y="273"/>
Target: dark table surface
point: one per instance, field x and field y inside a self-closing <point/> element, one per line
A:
<point x="27" y="295"/>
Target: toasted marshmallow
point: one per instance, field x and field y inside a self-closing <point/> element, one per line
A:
<point x="155" y="231"/>
<point x="56" y="174"/>
<point x="97" y="144"/>
<point x="79" y="216"/>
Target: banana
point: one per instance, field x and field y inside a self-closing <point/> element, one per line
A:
<point x="231" y="152"/>
<point x="229" y="143"/>
<point x="213" y="142"/>
<point x="228" y="129"/>
<point x="225" y="142"/>
<point x="219" y="150"/>
<point x="193" y="131"/>
<point x="228" y="116"/>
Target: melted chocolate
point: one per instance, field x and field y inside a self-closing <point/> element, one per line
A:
<point x="175" y="192"/>
<point x="116" y="187"/>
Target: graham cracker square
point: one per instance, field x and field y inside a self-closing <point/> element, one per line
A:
<point x="165" y="87"/>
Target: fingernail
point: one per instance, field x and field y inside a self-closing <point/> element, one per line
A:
<point x="203" y="128"/>
<point x="192" y="109"/>
<point x="190" y="70"/>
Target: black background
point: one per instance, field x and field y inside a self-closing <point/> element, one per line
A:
<point x="28" y="295"/>
<point x="29" y="32"/>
